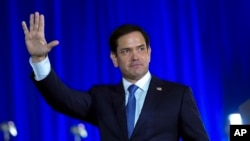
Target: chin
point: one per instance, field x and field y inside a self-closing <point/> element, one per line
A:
<point x="138" y="75"/>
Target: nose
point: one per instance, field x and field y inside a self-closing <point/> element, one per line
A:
<point x="134" y="54"/>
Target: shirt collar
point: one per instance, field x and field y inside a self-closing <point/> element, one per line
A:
<point x="141" y="83"/>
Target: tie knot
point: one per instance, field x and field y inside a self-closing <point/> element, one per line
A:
<point x="132" y="88"/>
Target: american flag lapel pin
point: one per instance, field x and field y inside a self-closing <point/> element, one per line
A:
<point x="159" y="88"/>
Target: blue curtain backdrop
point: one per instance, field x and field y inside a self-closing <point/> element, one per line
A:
<point x="204" y="44"/>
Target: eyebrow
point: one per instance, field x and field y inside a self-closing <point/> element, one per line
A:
<point x="141" y="45"/>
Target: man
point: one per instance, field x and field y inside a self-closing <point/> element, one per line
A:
<point x="156" y="110"/>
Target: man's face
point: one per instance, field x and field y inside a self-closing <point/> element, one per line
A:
<point x="132" y="56"/>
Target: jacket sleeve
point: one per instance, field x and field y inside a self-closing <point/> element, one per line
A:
<point x="192" y="128"/>
<point x="63" y="99"/>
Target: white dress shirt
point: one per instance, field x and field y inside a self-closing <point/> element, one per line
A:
<point x="140" y="93"/>
<point x="41" y="69"/>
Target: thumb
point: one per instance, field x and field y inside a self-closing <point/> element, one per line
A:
<point x="53" y="44"/>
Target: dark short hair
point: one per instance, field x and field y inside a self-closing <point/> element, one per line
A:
<point x="123" y="30"/>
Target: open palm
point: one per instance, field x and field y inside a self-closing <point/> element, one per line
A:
<point x="36" y="43"/>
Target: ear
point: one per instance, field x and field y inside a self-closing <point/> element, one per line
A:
<point x="149" y="53"/>
<point x="113" y="57"/>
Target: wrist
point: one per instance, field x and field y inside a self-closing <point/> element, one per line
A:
<point x="36" y="59"/>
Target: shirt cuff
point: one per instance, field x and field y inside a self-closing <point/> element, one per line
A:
<point x="41" y="69"/>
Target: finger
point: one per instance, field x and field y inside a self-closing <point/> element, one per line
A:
<point x="36" y="25"/>
<point x="53" y="44"/>
<point x="25" y="29"/>
<point x="31" y="22"/>
<point x="41" y="23"/>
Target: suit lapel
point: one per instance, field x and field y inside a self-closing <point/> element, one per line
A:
<point x="118" y="99"/>
<point x="154" y="91"/>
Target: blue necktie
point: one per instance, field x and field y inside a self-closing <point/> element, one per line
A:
<point x="130" y="109"/>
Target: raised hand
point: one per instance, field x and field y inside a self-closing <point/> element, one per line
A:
<point x="36" y="43"/>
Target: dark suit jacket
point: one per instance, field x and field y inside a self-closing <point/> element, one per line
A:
<point x="169" y="111"/>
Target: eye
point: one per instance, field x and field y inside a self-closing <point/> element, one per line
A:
<point x="125" y="51"/>
<point x="142" y="48"/>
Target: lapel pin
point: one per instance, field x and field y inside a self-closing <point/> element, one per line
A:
<point x="159" y="88"/>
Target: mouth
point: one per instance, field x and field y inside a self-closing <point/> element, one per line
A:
<point x="135" y="65"/>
